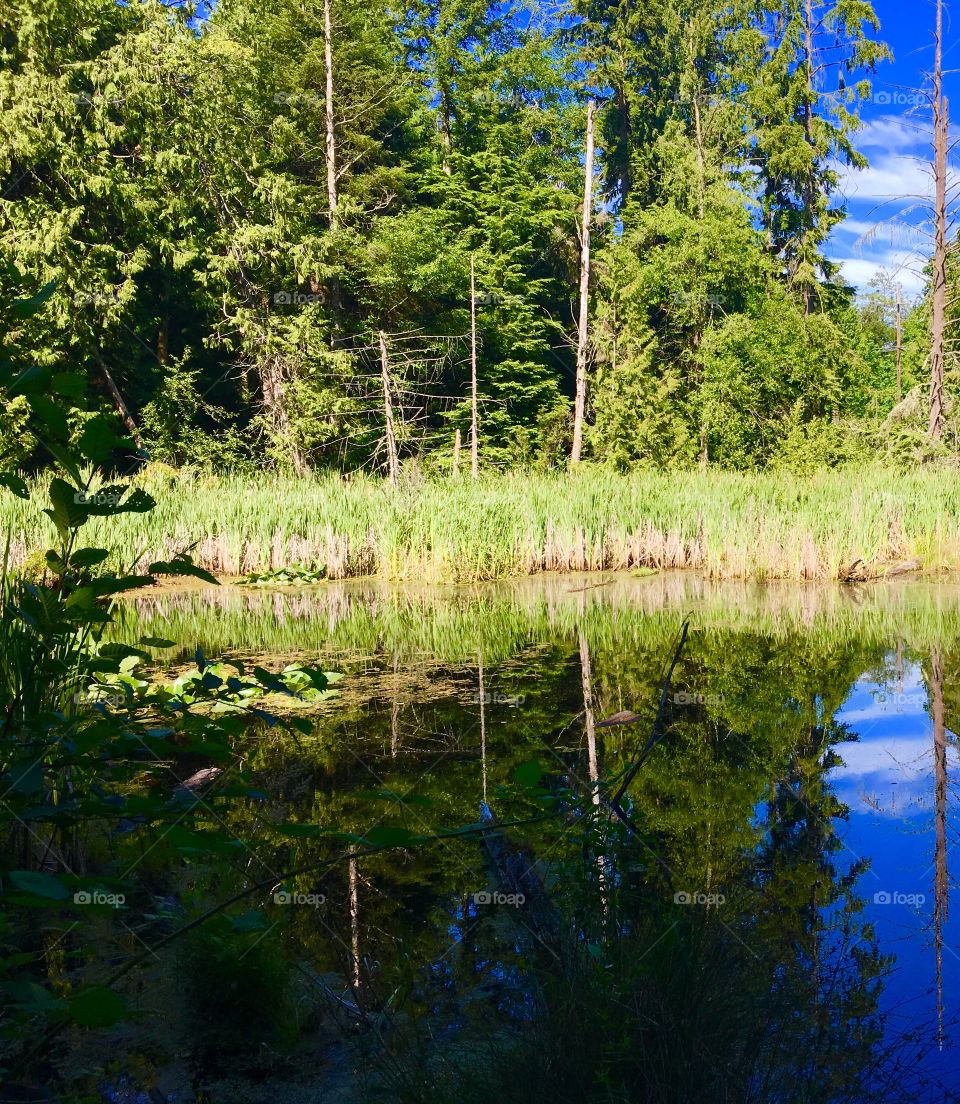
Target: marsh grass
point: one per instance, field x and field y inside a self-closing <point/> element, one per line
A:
<point x="724" y="524"/>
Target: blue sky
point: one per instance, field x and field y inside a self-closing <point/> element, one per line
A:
<point x="884" y="229"/>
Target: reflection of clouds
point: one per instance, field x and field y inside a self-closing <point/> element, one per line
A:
<point x="875" y="795"/>
<point x="894" y="758"/>
<point x="883" y="709"/>
<point x="888" y="771"/>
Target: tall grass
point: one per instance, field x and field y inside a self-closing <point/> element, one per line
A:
<point x="499" y="620"/>
<point x="724" y="524"/>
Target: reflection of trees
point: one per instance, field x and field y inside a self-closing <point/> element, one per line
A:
<point x="940" y="890"/>
<point x="774" y="989"/>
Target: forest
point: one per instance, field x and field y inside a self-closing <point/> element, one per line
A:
<point x="591" y="231"/>
<point x="479" y="598"/>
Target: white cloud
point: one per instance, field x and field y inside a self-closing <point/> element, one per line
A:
<point x="859" y="271"/>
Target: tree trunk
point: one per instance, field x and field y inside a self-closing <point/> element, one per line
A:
<point x="272" y="385"/>
<point x="809" y="199"/>
<point x="582" y="334"/>
<point x="331" y="161"/>
<point x="331" y="144"/>
<point x="474" y="431"/>
<point x="899" y="345"/>
<point x="940" y="802"/>
<point x="388" y="411"/>
<point x="132" y="428"/>
<point x="482" y="698"/>
<point x="938" y="316"/>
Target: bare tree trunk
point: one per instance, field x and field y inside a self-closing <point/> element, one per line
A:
<point x="940" y="801"/>
<point x="582" y="334"/>
<point x="388" y="412"/>
<point x="132" y="428"/>
<point x="593" y="763"/>
<point x="446" y="129"/>
<point x="163" y="339"/>
<point x="474" y="438"/>
<point x="354" y="889"/>
<point x="483" y="723"/>
<point x="395" y="711"/>
<point x="586" y="679"/>
<point x="938" y="317"/>
<point x="456" y="452"/>
<point x="808" y="125"/>
<point x="331" y="145"/>
<point x="331" y="160"/>
<point x="899" y="345"/>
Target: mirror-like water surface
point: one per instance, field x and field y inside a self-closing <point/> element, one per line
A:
<point x="779" y="902"/>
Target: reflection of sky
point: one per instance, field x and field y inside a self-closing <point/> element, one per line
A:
<point x="887" y="781"/>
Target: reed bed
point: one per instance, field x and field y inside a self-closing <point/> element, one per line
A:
<point x="500" y="620"/>
<point x="725" y="525"/>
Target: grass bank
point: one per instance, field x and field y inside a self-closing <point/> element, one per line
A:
<point x="724" y="524"/>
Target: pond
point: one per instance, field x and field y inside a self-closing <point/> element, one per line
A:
<point x="761" y="914"/>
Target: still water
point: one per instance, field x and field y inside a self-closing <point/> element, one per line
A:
<point x="779" y="904"/>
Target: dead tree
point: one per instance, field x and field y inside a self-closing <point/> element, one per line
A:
<point x="474" y="439"/>
<point x="580" y="402"/>
<point x="899" y="345"/>
<point x="939" y="298"/>
<point x="388" y="412"/>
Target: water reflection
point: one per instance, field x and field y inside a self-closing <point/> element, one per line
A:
<point x="767" y="921"/>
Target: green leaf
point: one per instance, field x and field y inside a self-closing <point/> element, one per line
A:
<point x="67" y="513"/>
<point x="50" y="414"/>
<point x="157" y="642"/>
<point x="528" y="774"/>
<point x="14" y="483"/>
<point x="26" y="308"/>
<point x="33" y="998"/>
<point x="56" y="565"/>
<point x="137" y="502"/>
<point x="88" y="557"/>
<point x="39" y="884"/>
<point x="26" y="777"/>
<point x="97" y="1007"/>
<point x="121" y="651"/>
<point x="71" y="464"/>
<point x="98" y="439"/>
<point x="71" y="385"/>
<point x="31" y="381"/>
<point x="180" y="566"/>
<point x="384" y="836"/>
